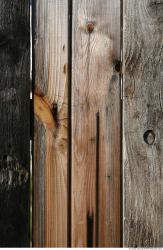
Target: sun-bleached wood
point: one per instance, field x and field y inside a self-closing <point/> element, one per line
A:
<point x="50" y="106"/>
<point x="95" y="123"/>
<point x="143" y="123"/>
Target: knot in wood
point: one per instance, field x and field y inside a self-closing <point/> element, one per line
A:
<point x="117" y="66"/>
<point x="149" y="137"/>
<point x="90" y="26"/>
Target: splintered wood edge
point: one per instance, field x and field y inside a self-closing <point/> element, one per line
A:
<point x="43" y="112"/>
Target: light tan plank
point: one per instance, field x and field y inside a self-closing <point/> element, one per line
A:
<point x="50" y="104"/>
<point x="95" y="123"/>
<point x="143" y="123"/>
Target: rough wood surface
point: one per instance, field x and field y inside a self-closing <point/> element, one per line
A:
<point x="95" y="123"/>
<point x="14" y="125"/>
<point x="50" y="106"/>
<point x="143" y="123"/>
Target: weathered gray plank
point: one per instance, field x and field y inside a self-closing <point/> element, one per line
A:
<point x="95" y="123"/>
<point x="50" y="105"/>
<point x="143" y="123"/>
<point x="15" y="123"/>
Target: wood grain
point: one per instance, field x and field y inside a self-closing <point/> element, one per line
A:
<point x="95" y="123"/>
<point x="15" y="123"/>
<point x="50" y="106"/>
<point x="143" y="123"/>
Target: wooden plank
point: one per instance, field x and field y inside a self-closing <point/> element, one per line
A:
<point x="95" y="123"/>
<point x="143" y="123"/>
<point x="14" y="126"/>
<point x="50" y="105"/>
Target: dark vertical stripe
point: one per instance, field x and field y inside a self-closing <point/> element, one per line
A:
<point x="121" y="127"/>
<point x="97" y="174"/>
<point x="33" y="6"/>
<point x="90" y="230"/>
<point x="15" y="123"/>
<point x="69" y="121"/>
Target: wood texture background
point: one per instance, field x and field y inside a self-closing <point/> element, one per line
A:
<point x="143" y="123"/>
<point x="98" y="106"/>
<point x="15" y="123"/>
<point x="95" y="124"/>
<point x="50" y="106"/>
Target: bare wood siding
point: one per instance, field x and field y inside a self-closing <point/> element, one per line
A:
<point x="95" y="124"/>
<point x="50" y="102"/>
<point x="143" y="123"/>
<point x="14" y="123"/>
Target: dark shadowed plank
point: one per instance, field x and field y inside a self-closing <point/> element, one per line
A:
<point x="143" y="123"/>
<point x="95" y="123"/>
<point x="15" y="123"/>
<point x="50" y="105"/>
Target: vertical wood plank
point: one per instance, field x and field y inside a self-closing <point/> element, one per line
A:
<point x="15" y="123"/>
<point x="143" y="123"/>
<point x="50" y="105"/>
<point x="95" y="123"/>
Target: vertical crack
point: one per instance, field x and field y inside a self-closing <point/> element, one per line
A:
<point x="97" y="174"/>
<point x="121" y="126"/>
<point x="90" y="222"/>
<point x="70" y="13"/>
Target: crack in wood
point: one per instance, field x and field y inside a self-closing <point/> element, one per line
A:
<point x="97" y="173"/>
<point x="55" y="114"/>
<point x="90" y="222"/>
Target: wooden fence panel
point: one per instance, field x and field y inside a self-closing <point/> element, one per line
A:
<point x="15" y="123"/>
<point x="50" y="105"/>
<point x="95" y="123"/>
<point x="143" y="123"/>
